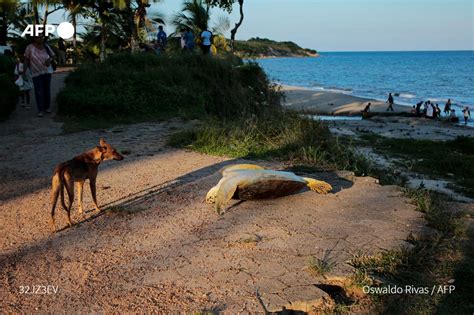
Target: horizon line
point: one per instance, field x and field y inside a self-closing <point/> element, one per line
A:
<point x="421" y="50"/>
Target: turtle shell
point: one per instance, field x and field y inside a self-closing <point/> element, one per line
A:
<point x="269" y="188"/>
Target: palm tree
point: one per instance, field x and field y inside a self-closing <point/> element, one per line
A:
<point x="76" y="11"/>
<point x="194" y="15"/>
<point x="141" y="22"/>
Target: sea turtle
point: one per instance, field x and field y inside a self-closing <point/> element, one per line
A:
<point x="251" y="182"/>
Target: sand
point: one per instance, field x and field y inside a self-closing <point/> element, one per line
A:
<point x="331" y="103"/>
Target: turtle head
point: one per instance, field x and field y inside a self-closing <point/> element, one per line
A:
<point x="211" y="195"/>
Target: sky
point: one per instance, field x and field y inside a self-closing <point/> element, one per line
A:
<point x="353" y="25"/>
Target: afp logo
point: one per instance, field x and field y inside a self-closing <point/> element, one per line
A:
<point x="65" y="30"/>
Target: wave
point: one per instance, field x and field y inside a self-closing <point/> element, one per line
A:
<point x="332" y="89"/>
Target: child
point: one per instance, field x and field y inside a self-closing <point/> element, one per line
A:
<point x="25" y="84"/>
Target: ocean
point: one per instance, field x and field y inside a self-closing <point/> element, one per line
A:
<point x="411" y="76"/>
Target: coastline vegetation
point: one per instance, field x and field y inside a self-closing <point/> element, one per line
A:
<point x="263" y="47"/>
<point x="142" y="87"/>
<point x="452" y="159"/>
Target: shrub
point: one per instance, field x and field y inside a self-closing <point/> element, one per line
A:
<point x="146" y="86"/>
<point x="7" y="65"/>
<point x="8" y="96"/>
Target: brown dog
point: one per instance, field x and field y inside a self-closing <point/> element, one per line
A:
<point x="77" y="170"/>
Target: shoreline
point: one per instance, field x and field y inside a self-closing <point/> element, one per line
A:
<point x="333" y="103"/>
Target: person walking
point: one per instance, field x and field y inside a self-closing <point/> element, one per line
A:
<point x="39" y="59"/>
<point x="206" y="42"/>
<point x="390" y="102"/>
<point x="467" y="114"/>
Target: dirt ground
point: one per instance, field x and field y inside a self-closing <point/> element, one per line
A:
<point x="159" y="247"/>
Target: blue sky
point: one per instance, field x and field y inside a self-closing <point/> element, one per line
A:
<point x="355" y="25"/>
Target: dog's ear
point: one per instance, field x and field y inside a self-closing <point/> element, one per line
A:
<point x="102" y="142"/>
<point x="102" y="149"/>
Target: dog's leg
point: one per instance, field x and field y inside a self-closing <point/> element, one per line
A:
<point x="80" y="186"/>
<point x="93" y="193"/>
<point x="69" y="184"/>
<point x="56" y="189"/>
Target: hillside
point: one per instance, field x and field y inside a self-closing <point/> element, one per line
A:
<point x="265" y="48"/>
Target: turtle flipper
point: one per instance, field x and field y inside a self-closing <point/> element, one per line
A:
<point x="317" y="186"/>
<point x="226" y="190"/>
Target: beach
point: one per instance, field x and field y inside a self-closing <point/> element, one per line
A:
<point x="343" y="105"/>
<point x="332" y="103"/>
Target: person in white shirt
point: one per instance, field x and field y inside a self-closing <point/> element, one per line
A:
<point x="206" y="41"/>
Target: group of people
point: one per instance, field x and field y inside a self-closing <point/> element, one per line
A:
<point x="428" y="109"/>
<point x="187" y="40"/>
<point x="433" y="111"/>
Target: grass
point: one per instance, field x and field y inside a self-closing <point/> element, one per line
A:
<point x="452" y="160"/>
<point x="320" y="267"/>
<point x="282" y="136"/>
<point x="434" y="259"/>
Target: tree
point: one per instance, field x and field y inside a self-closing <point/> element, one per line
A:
<point x="228" y="5"/>
<point x="7" y="13"/>
<point x="194" y="15"/>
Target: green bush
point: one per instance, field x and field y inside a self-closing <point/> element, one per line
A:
<point x="7" y="65"/>
<point x="147" y="87"/>
<point x="8" y="96"/>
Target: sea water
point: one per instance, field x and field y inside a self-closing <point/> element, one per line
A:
<point x="410" y="76"/>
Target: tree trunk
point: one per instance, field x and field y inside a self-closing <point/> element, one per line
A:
<point x="237" y="25"/>
<point x="45" y="19"/>
<point x="36" y="14"/>
<point x="74" y="36"/>
<point x="103" y="38"/>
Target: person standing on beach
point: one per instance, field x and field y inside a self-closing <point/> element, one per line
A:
<point x="206" y="42"/>
<point x="467" y="114"/>
<point x="390" y="102"/>
<point x="437" y="111"/>
<point x="39" y="58"/>
<point x="447" y="107"/>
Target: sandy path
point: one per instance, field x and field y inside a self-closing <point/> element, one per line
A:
<point x="162" y="248"/>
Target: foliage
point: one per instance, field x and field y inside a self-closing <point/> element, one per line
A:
<point x="261" y="47"/>
<point x="449" y="159"/>
<point x="278" y="135"/>
<point x="8" y="96"/>
<point x="146" y="86"/>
